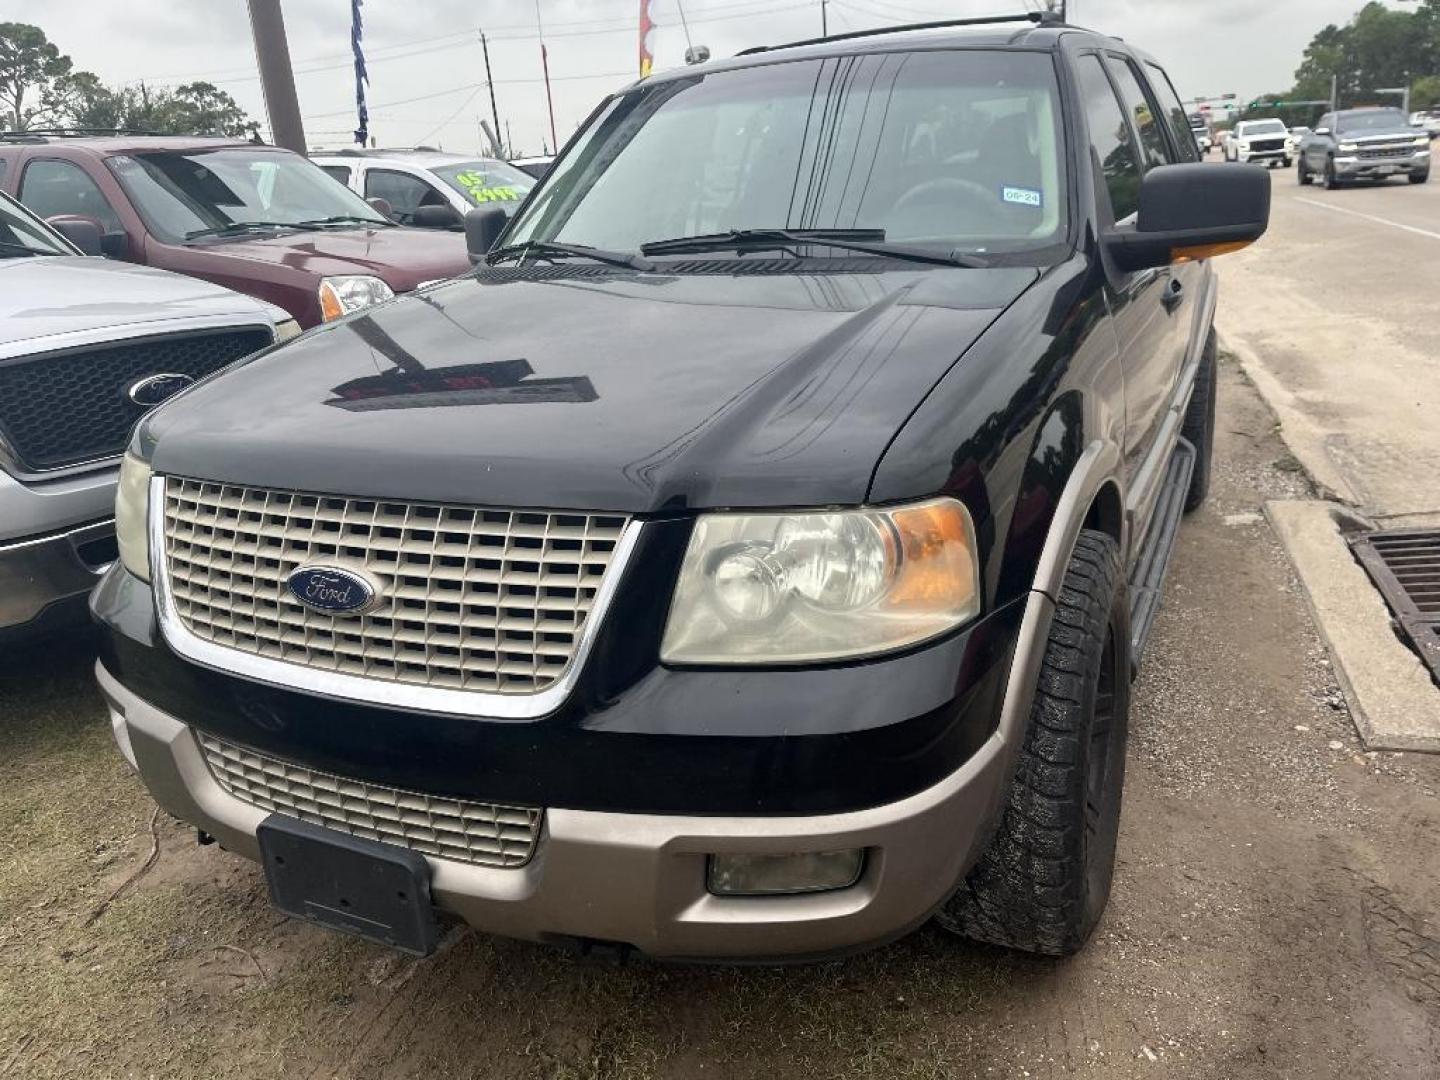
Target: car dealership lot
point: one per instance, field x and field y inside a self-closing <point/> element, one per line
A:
<point x="1274" y="912"/>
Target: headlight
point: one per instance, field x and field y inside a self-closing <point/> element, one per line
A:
<point x="1349" y="147"/>
<point x="132" y="506"/>
<point x="1423" y="140"/>
<point x="797" y="587"/>
<point x="342" y="295"/>
<point x="284" y="331"/>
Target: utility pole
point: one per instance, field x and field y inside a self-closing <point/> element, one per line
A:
<point x="1334" y="92"/>
<point x="545" y="66"/>
<point x="494" y="112"/>
<point x="824" y="21"/>
<point x="277" y="79"/>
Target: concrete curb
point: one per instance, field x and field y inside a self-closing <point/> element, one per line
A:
<point x="1395" y="704"/>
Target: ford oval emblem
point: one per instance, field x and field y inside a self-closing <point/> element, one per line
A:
<point x="332" y="590"/>
<point x="153" y="389"/>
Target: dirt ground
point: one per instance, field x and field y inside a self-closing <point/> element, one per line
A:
<point x="1276" y="911"/>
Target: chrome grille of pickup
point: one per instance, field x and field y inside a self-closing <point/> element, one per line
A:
<point x="69" y="406"/>
<point x="470" y="599"/>
<point x="1371" y="152"/>
<point x="478" y="833"/>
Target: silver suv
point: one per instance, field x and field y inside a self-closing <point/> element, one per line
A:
<point x="87" y="346"/>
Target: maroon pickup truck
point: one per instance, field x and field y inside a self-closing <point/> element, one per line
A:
<point x="257" y="219"/>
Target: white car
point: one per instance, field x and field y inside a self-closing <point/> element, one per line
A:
<point x="1293" y="140"/>
<point x="425" y="187"/>
<point x="1266" y="141"/>
<point x="1429" y="119"/>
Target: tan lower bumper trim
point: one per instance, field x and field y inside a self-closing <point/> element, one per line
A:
<point x="639" y="879"/>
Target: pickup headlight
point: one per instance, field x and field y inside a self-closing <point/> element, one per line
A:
<point x="1349" y="147"/>
<point x="791" y="588"/>
<point x="132" y="511"/>
<point x="1422" y="140"/>
<point x="342" y="295"/>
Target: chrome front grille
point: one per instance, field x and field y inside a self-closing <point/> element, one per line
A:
<point x="1373" y="152"/>
<point x="470" y="832"/>
<point x="469" y="599"/>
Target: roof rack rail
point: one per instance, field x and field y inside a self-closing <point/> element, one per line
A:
<point x="72" y="133"/>
<point x="1041" y="18"/>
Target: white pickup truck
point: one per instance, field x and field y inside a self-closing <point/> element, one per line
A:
<point x="1264" y="141"/>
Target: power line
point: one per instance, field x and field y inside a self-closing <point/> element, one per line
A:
<point x="471" y="86"/>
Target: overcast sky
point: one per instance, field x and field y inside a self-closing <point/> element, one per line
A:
<point x="426" y="71"/>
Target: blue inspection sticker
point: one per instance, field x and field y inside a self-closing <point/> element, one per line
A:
<point x="1022" y="196"/>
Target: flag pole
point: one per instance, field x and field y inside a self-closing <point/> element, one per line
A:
<point x="545" y="66"/>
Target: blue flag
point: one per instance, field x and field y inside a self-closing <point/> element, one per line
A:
<point x="362" y="133"/>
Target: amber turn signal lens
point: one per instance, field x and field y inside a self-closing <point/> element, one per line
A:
<point x="1206" y="251"/>
<point x="937" y="558"/>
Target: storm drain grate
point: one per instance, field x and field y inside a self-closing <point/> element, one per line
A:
<point x="1405" y="566"/>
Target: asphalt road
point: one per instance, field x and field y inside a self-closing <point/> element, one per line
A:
<point x="1276" y="911"/>
<point x="1339" y="303"/>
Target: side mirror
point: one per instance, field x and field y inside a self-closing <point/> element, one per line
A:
<point x="483" y="227"/>
<point x="1322" y="131"/>
<point x="85" y="233"/>
<point x="115" y="245"/>
<point x="437" y="217"/>
<point x="382" y="205"/>
<point x="1192" y="212"/>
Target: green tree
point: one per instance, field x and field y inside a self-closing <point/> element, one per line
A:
<point x="30" y="66"/>
<point x="1378" y="49"/>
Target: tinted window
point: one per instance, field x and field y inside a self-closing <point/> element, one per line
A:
<point x="21" y="233"/>
<point x="957" y="148"/>
<point x="58" y="187"/>
<point x="339" y="172"/>
<point x="1110" y="137"/>
<point x="1152" y="138"/>
<point x="1184" y="128"/>
<point x="404" y="193"/>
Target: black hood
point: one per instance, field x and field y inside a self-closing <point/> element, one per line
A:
<point x="583" y="388"/>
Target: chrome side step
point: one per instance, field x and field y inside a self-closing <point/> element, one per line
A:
<point x="1148" y="578"/>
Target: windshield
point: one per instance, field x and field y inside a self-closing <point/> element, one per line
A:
<point x="21" y="234"/>
<point x="1265" y="127"/>
<point x="961" y="149"/>
<point x="487" y="183"/>
<point x="1379" y="120"/>
<point x="180" y="193"/>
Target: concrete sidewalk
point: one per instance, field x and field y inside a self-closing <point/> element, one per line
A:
<point x="1335" y="319"/>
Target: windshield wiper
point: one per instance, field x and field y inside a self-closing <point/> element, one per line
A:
<point x="6" y="245"/>
<point x="249" y="226"/>
<point x="543" y="248"/>
<point x="346" y="219"/>
<point x="869" y="241"/>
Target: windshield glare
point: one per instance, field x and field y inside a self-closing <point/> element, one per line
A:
<point x="487" y="183"/>
<point x="1378" y="120"/>
<point x="178" y="193"/>
<point x="18" y="230"/>
<point x="960" y="149"/>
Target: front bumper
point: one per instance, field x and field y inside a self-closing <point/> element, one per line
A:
<point x="44" y="580"/>
<point x="1352" y="166"/>
<point x="639" y="879"/>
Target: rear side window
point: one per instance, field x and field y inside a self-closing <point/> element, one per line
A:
<point x="1152" y="138"/>
<point x="51" y="187"/>
<point x="339" y="172"/>
<point x="1180" y="123"/>
<point x="1110" y="137"/>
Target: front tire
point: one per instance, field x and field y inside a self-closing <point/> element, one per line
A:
<point x="1331" y="180"/>
<point x="1304" y="175"/>
<point x="1199" y="426"/>
<point x="1420" y="177"/>
<point x="1043" y="883"/>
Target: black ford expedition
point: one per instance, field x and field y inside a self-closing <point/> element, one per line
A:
<point x="749" y="558"/>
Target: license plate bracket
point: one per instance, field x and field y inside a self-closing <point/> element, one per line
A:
<point x="348" y="883"/>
